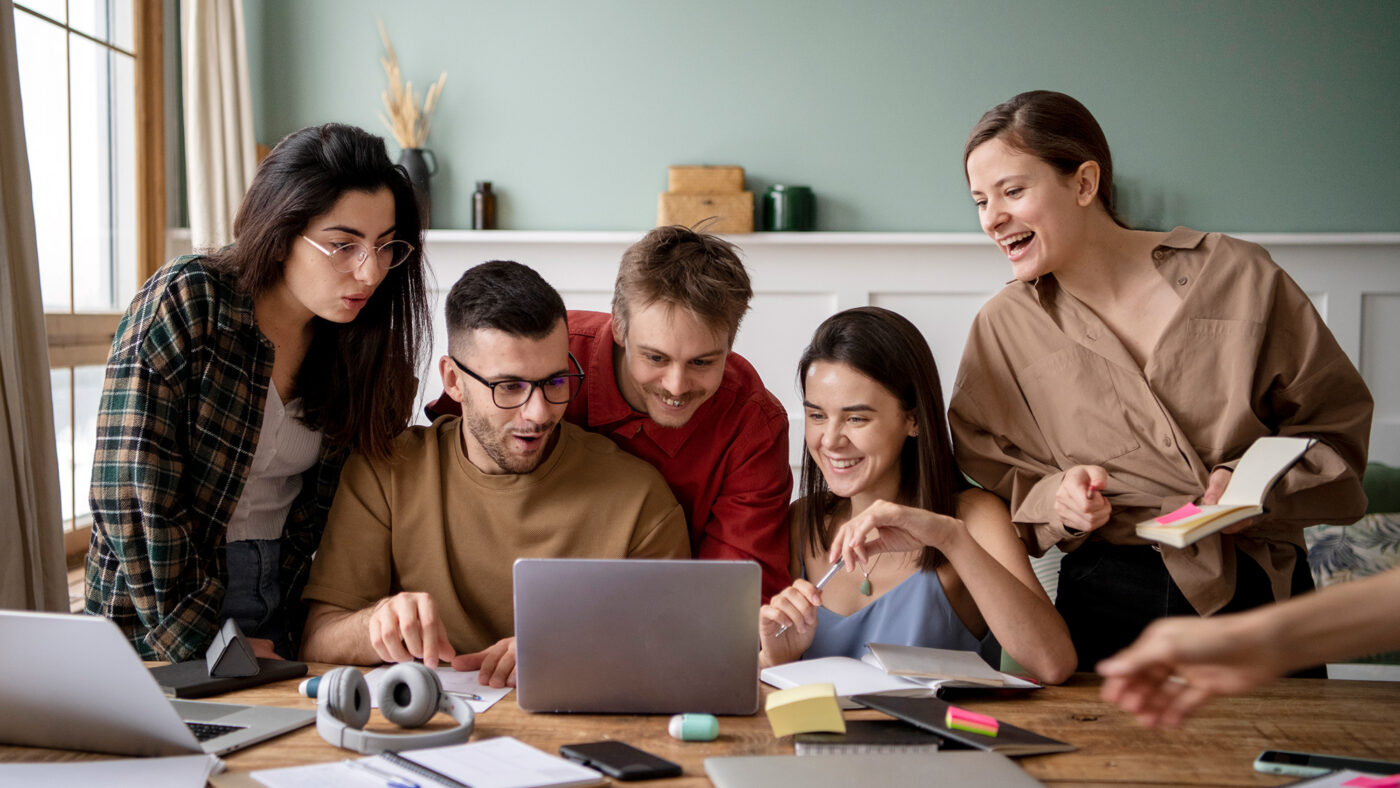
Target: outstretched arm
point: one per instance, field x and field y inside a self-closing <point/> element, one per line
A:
<point x="1178" y="664"/>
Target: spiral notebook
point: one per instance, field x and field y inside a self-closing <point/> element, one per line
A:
<point x="502" y="762"/>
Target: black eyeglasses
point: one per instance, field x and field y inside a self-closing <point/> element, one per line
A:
<point x="513" y="393"/>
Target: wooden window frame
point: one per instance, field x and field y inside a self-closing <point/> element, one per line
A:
<point x="85" y="338"/>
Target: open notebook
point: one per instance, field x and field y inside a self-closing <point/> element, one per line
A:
<point x="1261" y="466"/>
<point x="959" y="670"/>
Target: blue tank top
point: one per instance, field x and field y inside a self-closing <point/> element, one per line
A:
<point x="914" y="613"/>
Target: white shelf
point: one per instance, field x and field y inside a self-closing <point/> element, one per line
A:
<point x="858" y="239"/>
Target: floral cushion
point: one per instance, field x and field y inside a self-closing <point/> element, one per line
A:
<point x="1340" y="553"/>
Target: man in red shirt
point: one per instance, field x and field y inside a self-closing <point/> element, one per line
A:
<point x="663" y="383"/>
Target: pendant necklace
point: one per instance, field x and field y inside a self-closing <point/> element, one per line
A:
<point x="865" y="588"/>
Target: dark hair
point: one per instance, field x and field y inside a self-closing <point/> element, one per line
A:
<point x="695" y="270"/>
<point x="1055" y="128"/>
<point x="358" y="380"/>
<point x="506" y="296"/>
<point x="888" y="349"/>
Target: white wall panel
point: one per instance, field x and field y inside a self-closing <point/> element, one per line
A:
<point x="944" y="319"/>
<point x="938" y="280"/>
<point x="1380" y="365"/>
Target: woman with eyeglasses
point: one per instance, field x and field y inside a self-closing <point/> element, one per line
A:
<point x="239" y="381"/>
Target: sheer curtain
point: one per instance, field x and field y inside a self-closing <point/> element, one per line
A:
<point x="220" y="154"/>
<point x="32" y="573"/>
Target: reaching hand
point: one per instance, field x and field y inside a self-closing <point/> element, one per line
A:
<point x="405" y="627"/>
<point x="796" y="608"/>
<point x="496" y="663"/>
<point x="1079" y="503"/>
<point x="1178" y="664"/>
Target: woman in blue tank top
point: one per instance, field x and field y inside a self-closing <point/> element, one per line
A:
<point x="947" y="565"/>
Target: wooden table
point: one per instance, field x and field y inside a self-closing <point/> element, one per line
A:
<point x="1217" y="747"/>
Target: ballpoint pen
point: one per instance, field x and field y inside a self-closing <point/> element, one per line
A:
<point x="467" y="695"/>
<point x="390" y="779"/>
<point x="826" y="578"/>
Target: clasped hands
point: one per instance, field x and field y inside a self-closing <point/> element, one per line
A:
<point x="406" y="626"/>
<point x="1081" y="505"/>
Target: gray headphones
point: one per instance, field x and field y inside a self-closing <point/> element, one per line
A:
<point x="410" y="695"/>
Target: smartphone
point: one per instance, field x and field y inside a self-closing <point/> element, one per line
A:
<point x="620" y="761"/>
<point x="1311" y="764"/>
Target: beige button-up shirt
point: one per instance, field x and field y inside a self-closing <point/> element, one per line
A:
<point x="1044" y="385"/>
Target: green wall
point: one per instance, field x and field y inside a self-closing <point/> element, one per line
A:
<point x="1230" y="115"/>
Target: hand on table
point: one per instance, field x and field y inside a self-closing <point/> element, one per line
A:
<point x="496" y="663"/>
<point x="406" y="626"/>
<point x="1080" y="503"/>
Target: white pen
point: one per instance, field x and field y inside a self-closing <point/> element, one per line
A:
<point x="826" y="578"/>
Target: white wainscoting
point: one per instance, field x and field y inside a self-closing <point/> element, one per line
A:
<point x="938" y="281"/>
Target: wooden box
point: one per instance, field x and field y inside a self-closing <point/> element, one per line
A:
<point x="732" y="213"/>
<point x="705" y="179"/>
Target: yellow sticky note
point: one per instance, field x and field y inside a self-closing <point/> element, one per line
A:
<point x="810" y="708"/>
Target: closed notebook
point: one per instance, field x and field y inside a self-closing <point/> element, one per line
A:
<point x="868" y="736"/>
<point x="192" y="680"/>
<point x="930" y="714"/>
<point x="1261" y="466"/>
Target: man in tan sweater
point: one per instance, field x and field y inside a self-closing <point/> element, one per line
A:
<point x="417" y="554"/>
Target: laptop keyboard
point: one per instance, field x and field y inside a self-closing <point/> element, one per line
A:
<point x="204" y="731"/>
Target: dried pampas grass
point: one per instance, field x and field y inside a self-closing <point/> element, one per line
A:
<point x="405" y="120"/>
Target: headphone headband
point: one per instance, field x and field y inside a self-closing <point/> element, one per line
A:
<point x="409" y="696"/>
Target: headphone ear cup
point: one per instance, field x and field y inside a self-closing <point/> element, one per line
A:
<point x="410" y="695"/>
<point x="344" y="695"/>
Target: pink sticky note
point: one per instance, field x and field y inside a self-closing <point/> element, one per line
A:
<point x="1180" y="514"/>
<point x="1374" y="782"/>
<point x="962" y="719"/>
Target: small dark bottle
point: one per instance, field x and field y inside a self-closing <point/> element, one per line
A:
<point x="483" y="207"/>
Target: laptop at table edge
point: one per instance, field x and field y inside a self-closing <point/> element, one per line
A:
<point x="87" y="689"/>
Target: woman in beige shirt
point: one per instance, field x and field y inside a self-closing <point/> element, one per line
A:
<point x="1125" y="372"/>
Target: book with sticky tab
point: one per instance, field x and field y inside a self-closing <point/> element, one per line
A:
<point x="1258" y="470"/>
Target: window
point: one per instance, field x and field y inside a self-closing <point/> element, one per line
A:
<point x="90" y="84"/>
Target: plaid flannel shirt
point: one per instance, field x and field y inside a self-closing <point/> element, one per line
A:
<point x="181" y="410"/>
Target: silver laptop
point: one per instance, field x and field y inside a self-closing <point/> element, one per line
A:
<point x="891" y="770"/>
<point x="73" y="682"/>
<point x="636" y="636"/>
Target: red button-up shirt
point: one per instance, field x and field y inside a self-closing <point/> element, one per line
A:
<point x="728" y="465"/>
